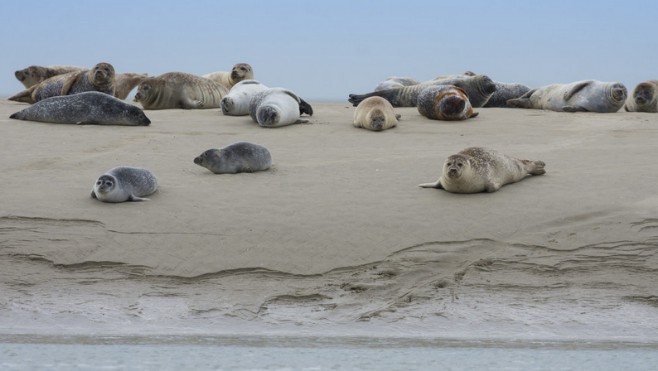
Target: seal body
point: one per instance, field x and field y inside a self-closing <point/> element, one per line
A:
<point x="394" y="82"/>
<point x="580" y="96"/>
<point x="125" y="82"/>
<point x="236" y="102"/>
<point x="33" y="75"/>
<point x="376" y="114"/>
<point x="240" y="157"/>
<point x="479" y="89"/>
<point x="644" y="97"/>
<point x="239" y="72"/>
<point x="124" y="183"/>
<point x="100" y="78"/>
<point x="445" y="102"/>
<point x="504" y="92"/>
<point x="179" y="90"/>
<point x="477" y="169"/>
<point x="276" y="107"/>
<point x="89" y="107"/>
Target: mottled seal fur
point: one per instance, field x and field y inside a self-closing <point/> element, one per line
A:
<point x="239" y="72"/>
<point x="33" y="75"/>
<point x="125" y="82"/>
<point x="644" y="97"/>
<point x="394" y="82"/>
<point x="445" y="102"/>
<point x="276" y="107"/>
<point x="89" y="107"/>
<point x="580" y="96"/>
<point x="179" y="90"/>
<point x="477" y="169"/>
<point x="504" y="92"/>
<point x="236" y="102"/>
<point x="479" y="89"/>
<point x="240" y="157"/>
<point x="100" y="78"/>
<point x="124" y="183"/>
<point x="376" y="114"/>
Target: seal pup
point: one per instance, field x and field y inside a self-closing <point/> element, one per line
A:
<point x="240" y="157"/>
<point x="100" y="78"/>
<point x="124" y="183"/>
<point x="504" y="92"/>
<point x="33" y="75"/>
<point x="125" y="82"/>
<point x="239" y="72"/>
<point x="477" y="169"/>
<point x="276" y="107"/>
<point x="179" y="90"/>
<point x="376" y="114"/>
<point x="394" y="82"/>
<point x="236" y="102"/>
<point x="644" y="98"/>
<point x="579" y="96"/>
<point x="479" y="89"/>
<point x="445" y="102"/>
<point x="89" y="107"/>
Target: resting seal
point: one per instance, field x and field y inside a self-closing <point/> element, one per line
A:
<point x="125" y="82"/>
<point x="240" y="157"/>
<point x="100" y="78"/>
<point x="276" y="107"/>
<point x="445" y="102"/>
<point x="644" y="98"/>
<point x="476" y="169"/>
<point x="35" y="74"/>
<point x="504" y="92"/>
<point x="236" y="102"/>
<point x="124" y="184"/>
<point x="90" y="107"/>
<point x="376" y="114"/>
<point x="580" y="96"/>
<point x="478" y="88"/>
<point x="179" y="90"/>
<point x="394" y="82"/>
<point x="239" y="72"/>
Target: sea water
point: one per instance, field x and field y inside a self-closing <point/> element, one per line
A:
<point x="256" y="353"/>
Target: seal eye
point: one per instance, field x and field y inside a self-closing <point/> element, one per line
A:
<point x="98" y="182"/>
<point x="460" y="164"/>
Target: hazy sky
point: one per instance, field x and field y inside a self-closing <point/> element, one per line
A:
<point x="324" y="50"/>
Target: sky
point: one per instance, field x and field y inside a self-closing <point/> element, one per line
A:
<point x="325" y="50"/>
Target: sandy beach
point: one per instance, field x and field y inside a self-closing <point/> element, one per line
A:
<point x="336" y="238"/>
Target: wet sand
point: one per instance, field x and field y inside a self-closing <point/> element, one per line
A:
<point x="336" y="239"/>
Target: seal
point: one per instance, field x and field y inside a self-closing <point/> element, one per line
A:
<point x="33" y="75"/>
<point x="240" y="157"/>
<point x="445" y="102"/>
<point x="89" y="107"/>
<point x="579" y="96"/>
<point x="276" y="107"/>
<point x="644" y="98"/>
<point x="376" y="114"/>
<point x="394" y="82"/>
<point x="125" y="82"/>
<point x="124" y="183"/>
<point x="236" y="102"/>
<point x="478" y="169"/>
<point x="479" y="89"/>
<point x="100" y="78"/>
<point x="179" y="90"/>
<point x="504" y="92"/>
<point x="239" y="72"/>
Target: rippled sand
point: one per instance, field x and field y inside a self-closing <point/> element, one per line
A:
<point x="336" y="239"/>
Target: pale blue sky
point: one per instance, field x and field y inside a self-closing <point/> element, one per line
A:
<point x="326" y="50"/>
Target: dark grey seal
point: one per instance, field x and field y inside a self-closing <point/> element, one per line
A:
<point x="240" y="157"/>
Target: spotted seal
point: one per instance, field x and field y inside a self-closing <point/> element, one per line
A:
<point x="125" y="82"/>
<point x="276" y="107"/>
<point x="479" y="89"/>
<point x="376" y="114"/>
<point x="89" y="107"/>
<point x="579" y="96"/>
<point x="477" y="169"/>
<point x="179" y="90"/>
<point x="240" y="157"/>
<point x="236" y="102"/>
<point x="239" y="72"/>
<point x="445" y="102"/>
<point x="124" y="183"/>
<point x="100" y="78"/>
<point x="644" y="97"/>
<point x="33" y="75"/>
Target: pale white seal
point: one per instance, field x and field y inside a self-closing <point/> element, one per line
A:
<point x="580" y="96"/>
<point x="276" y="107"/>
<point x="236" y="102"/>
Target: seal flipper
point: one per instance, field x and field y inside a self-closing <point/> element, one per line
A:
<point x="436" y="185"/>
<point x="355" y="99"/>
<point x="574" y="109"/>
<point x="522" y="101"/>
<point x="492" y="187"/>
<point x="68" y="84"/>
<point x="137" y="199"/>
<point x="93" y="194"/>
<point x="576" y="88"/>
<point x="25" y="96"/>
<point x="304" y="107"/>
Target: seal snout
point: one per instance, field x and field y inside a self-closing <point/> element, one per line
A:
<point x="19" y="75"/>
<point x="452" y="105"/>
<point x="618" y="92"/>
<point x="198" y="160"/>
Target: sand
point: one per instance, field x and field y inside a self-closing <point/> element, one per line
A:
<point x="336" y="238"/>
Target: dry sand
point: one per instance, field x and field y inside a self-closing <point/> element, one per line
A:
<point x="337" y="238"/>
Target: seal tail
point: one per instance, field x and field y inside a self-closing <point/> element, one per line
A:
<point x="534" y="167"/>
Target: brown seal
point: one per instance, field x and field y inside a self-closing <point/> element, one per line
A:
<point x="376" y="114"/>
<point x="644" y="97"/>
<point x="179" y="90"/>
<point x="125" y="82"/>
<point x="33" y="75"/>
<point x="445" y="102"/>
<point x="239" y="72"/>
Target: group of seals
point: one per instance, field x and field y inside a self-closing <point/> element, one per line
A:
<point x="644" y="97"/>
<point x="239" y="72"/>
<point x="240" y="157"/>
<point x="124" y="183"/>
<point x="276" y="107"/>
<point x="179" y="90"/>
<point x="236" y="102"/>
<point x="579" y="96"/>
<point x="376" y="114"/>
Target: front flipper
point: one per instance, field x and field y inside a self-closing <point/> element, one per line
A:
<point x="137" y="199"/>
<point x="576" y="88"/>
<point x="93" y="194"/>
<point x="574" y="109"/>
<point x="436" y="184"/>
<point x="87" y="123"/>
<point x="492" y="187"/>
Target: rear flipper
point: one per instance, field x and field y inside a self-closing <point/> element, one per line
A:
<point x="25" y="96"/>
<point x="305" y="108"/>
<point x="534" y="167"/>
<point x="355" y="99"/>
<point x="436" y="184"/>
